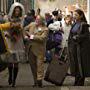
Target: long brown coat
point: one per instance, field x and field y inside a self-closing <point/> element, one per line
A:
<point x="38" y="44"/>
<point x="37" y="50"/>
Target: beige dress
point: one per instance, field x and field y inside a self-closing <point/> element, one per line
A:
<point x="16" y="49"/>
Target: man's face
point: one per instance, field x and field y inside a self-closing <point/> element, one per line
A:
<point x="55" y="17"/>
<point x="37" y="21"/>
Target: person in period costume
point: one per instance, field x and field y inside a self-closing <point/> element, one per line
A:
<point x="15" y="41"/>
<point x="4" y="27"/>
<point x="55" y="34"/>
<point x="79" y="48"/>
<point x="38" y="34"/>
<point x="30" y="17"/>
<point x="3" y="48"/>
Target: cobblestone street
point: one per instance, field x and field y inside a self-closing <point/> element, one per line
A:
<point x="53" y="36"/>
<point x="25" y="81"/>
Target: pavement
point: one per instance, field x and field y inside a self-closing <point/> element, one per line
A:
<point x="25" y="81"/>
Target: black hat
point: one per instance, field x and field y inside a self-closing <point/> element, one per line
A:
<point x="55" y="13"/>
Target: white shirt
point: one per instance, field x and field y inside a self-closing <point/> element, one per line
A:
<point x="55" y="26"/>
<point x="66" y="29"/>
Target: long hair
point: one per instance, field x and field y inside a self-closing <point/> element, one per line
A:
<point x="81" y="13"/>
<point x="16" y="4"/>
<point x="20" y="13"/>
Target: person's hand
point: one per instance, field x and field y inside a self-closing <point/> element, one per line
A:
<point x="12" y="25"/>
<point x="16" y="25"/>
<point x="31" y="36"/>
<point x="25" y="37"/>
<point x="27" y="34"/>
<point x="7" y="35"/>
<point x="74" y="37"/>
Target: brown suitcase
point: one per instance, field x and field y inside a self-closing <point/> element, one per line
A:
<point x="57" y="70"/>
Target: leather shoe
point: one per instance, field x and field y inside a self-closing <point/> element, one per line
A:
<point x="39" y="82"/>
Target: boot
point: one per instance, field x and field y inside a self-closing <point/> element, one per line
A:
<point x="35" y="85"/>
<point x="39" y="82"/>
<point x="15" y="72"/>
<point x="79" y="81"/>
<point x="10" y="75"/>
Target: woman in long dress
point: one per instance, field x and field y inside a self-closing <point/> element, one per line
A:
<point x="15" y="42"/>
<point x="79" y="48"/>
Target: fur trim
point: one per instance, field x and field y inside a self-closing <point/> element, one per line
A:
<point x="13" y="7"/>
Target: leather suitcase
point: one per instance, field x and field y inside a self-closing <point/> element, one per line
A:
<point x="57" y="70"/>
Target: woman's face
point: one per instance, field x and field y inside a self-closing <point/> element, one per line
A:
<point x="77" y="17"/>
<point x="17" y="11"/>
<point x="68" y="20"/>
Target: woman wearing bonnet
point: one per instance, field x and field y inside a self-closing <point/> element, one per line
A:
<point x="15" y="41"/>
